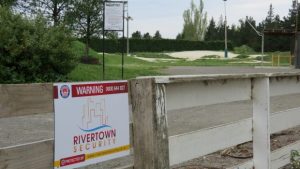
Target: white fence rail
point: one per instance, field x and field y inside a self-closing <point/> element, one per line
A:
<point x="171" y="93"/>
<point x="153" y="99"/>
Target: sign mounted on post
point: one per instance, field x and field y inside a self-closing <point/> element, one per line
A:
<point x="114" y="16"/>
<point x="113" y="20"/>
<point x="91" y="123"/>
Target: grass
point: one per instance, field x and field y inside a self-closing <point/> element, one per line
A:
<point x="134" y="67"/>
<point x="79" y="48"/>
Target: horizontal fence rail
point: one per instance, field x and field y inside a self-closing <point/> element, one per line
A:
<point x="152" y="98"/>
<point x="182" y="92"/>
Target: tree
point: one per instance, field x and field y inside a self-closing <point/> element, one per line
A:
<point x="179" y="36"/>
<point x="211" y="31"/>
<point x="136" y="35"/>
<point x="7" y="3"/>
<point x="147" y="36"/>
<point x="54" y="10"/>
<point x="112" y="35"/>
<point x="30" y="51"/>
<point x="86" y="19"/>
<point x="195" y="22"/>
<point x="270" y="18"/>
<point x="157" y="35"/>
<point x="289" y="21"/>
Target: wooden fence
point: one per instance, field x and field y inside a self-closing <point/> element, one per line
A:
<point x="152" y="98"/>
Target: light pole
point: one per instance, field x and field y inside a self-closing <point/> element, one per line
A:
<point x="297" y="61"/>
<point x="226" y="47"/>
<point x="128" y="18"/>
<point x="262" y="35"/>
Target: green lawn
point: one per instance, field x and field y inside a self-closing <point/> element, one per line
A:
<point x="134" y="67"/>
<point x="113" y="71"/>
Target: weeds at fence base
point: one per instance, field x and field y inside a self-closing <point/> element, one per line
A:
<point x="295" y="159"/>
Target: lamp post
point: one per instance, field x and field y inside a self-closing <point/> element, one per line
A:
<point x="226" y="47"/>
<point x="128" y="18"/>
<point x="296" y="54"/>
<point x="262" y="35"/>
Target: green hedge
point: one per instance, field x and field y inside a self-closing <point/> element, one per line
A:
<point x="152" y="45"/>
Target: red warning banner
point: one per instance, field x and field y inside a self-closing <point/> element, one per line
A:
<point x="96" y="89"/>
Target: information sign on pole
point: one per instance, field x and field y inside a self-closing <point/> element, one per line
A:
<point x="114" y="16"/>
<point x="91" y="123"/>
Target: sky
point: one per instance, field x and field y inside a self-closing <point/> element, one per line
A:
<point x="166" y="15"/>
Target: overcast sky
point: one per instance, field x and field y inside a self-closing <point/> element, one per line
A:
<point x="166" y="15"/>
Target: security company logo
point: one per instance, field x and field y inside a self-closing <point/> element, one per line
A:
<point x="96" y="131"/>
<point x="65" y="91"/>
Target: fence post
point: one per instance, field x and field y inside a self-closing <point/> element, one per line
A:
<point x="150" y="132"/>
<point x="261" y="123"/>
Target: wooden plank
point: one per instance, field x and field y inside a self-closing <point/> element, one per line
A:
<point x="25" y="99"/>
<point x="206" y="141"/>
<point x="34" y="156"/>
<point x="261" y="123"/>
<point x="284" y="85"/>
<point x="149" y="125"/>
<point x="180" y="95"/>
<point x="40" y="155"/>
<point x="279" y="158"/>
<point x="246" y="165"/>
<point x="195" y="144"/>
<point x="208" y="77"/>
<point x="285" y="119"/>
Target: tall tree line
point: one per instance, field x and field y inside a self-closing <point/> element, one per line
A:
<point x="243" y="33"/>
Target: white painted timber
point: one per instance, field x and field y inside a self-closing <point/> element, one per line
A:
<point x="284" y="85"/>
<point x="246" y="165"/>
<point x="261" y="123"/>
<point x="285" y="119"/>
<point x="195" y="144"/>
<point x="279" y="158"/>
<point x="192" y="94"/>
<point x="191" y="145"/>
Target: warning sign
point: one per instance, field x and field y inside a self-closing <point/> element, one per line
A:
<point x="91" y="123"/>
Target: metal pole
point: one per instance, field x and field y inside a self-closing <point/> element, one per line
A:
<point x="296" y="38"/>
<point x="226" y="48"/>
<point x="123" y="40"/>
<point x="103" y="42"/>
<point x="262" y="40"/>
<point x="127" y="30"/>
<point x="262" y="47"/>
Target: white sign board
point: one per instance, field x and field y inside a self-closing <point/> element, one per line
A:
<point x="91" y="123"/>
<point x="114" y="16"/>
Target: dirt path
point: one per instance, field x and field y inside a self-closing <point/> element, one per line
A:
<point x="194" y="55"/>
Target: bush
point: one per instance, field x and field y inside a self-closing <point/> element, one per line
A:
<point x="244" y="49"/>
<point x="155" y="45"/>
<point x="32" y="52"/>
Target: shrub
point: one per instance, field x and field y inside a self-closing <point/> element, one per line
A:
<point x="244" y="49"/>
<point x="156" y="45"/>
<point x="32" y="52"/>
